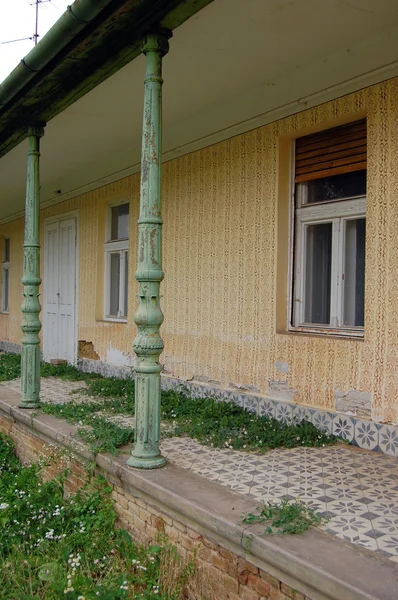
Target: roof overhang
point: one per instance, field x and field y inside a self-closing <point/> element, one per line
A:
<point x="92" y="40"/>
<point x="231" y="67"/>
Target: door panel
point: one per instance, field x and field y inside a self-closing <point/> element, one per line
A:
<point x="59" y="323"/>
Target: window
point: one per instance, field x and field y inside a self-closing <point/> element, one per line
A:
<point x="5" y="276"/>
<point x="116" y="262"/>
<point x="330" y="219"/>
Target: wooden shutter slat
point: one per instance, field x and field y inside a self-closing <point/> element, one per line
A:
<point x="328" y="172"/>
<point x="355" y="138"/>
<point x="335" y="133"/>
<point x="330" y="164"/>
<point x="321" y="158"/>
<point x="332" y="152"/>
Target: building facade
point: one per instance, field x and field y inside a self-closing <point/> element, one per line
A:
<point x="230" y="256"/>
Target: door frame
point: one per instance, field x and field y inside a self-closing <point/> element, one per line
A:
<point x="72" y="214"/>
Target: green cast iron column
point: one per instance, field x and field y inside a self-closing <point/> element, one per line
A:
<point x="30" y="360"/>
<point x="148" y="344"/>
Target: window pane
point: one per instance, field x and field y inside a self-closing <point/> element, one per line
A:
<point x="120" y="222"/>
<point x="354" y="273"/>
<point x="114" y="284"/>
<point x="337" y="187"/>
<point x="126" y="281"/>
<point x="318" y="264"/>
<point x="6" y="285"/>
<point x="6" y="255"/>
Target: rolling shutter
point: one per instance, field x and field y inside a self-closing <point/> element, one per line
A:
<point x="331" y="152"/>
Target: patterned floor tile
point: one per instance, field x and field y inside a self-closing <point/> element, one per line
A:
<point x="347" y="507"/>
<point x="386" y="524"/>
<point x="386" y="509"/>
<point x="355" y="488"/>
<point x="389" y="543"/>
<point x="349" y="524"/>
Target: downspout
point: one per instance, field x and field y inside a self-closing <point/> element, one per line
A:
<point x="74" y="19"/>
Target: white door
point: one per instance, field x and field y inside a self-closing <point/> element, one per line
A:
<point x="59" y="282"/>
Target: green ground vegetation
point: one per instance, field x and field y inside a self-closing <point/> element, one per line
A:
<point x="53" y="546"/>
<point x="285" y="517"/>
<point x="220" y="424"/>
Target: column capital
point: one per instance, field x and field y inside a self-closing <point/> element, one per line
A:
<point x="36" y="129"/>
<point x="156" y="42"/>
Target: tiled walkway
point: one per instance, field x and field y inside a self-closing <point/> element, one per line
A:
<point x="356" y="489"/>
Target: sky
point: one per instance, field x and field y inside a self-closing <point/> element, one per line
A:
<point x="17" y="20"/>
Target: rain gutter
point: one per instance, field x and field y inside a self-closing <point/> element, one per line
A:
<point x="74" y="19"/>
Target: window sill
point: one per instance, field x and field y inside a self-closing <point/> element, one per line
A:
<point x="111" y="320"/>
<point x="5" y="312"/>
<point x="357" y="334"/>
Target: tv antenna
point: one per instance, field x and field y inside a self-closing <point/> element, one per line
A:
<point x="35" y="36"/>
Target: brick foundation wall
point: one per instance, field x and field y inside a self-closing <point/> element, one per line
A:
<point x="225" y="575"/>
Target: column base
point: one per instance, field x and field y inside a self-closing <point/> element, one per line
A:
<point x="146" y="463"/>
<point x="29" y="404"/>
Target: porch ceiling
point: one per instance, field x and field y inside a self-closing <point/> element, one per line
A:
<point x="231" y="63"/>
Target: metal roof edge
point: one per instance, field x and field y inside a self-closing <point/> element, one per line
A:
<point x="71" y="22"/>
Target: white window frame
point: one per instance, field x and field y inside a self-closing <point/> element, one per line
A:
<point x="120" y="247"/>
<point x="337" y="212"/>
<point x="5" y="266"/>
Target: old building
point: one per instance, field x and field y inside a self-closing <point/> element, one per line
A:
<point x="279" y="201"/>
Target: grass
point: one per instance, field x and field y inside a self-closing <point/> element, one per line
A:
<point x="225" y="425"/>
<point x="220" y="424"/>
<point x="53" y="546"/>
<point x="285" y="517"/>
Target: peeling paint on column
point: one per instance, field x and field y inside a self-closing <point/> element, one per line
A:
<point x="31" y="325"/>
<point x="148" y="344"/>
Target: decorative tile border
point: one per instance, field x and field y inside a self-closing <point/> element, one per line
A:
<point x="10" y="347"/>
<point x="359" y="432"/>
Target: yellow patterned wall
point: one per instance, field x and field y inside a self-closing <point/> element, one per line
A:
<point x="225" y="260"/>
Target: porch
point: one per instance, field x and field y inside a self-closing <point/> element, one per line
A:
<point x="356" y="490"/>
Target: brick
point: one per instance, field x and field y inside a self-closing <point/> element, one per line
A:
<point x="210" y="545"/>
<point x="203" y="553"/>
<point x="227" y="554"/>
<point x="271" y="580"/>
<point x="259" y="585"/>
<point x="212" y="572"/>
<point x="189" y="543"/>
<point x="220" y="592"/>
<point x="229" y="583"/>
<point x="219" y="562"/>
<point x="242" y="577"/>
<point x="291" y="593"/>
<point x="140" y="503"/>
<point x="151" y="532"/>
<point x="125" y="514"/>
<point x="171" y="533"/>
<point x="275" y="594"/>
<point x="194" y="534"/>
<point x="180" y="526"/>
<point x="244" y="565"/>
<point x="232" y="596"/>
<point x="120" y="499"/>
<point x="247" y="593"/>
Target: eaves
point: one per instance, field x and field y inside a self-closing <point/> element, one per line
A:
<point x="75" y="56"/>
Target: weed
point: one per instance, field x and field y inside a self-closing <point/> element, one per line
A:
<point x="220" y="424"/>
<point x="285" y="517"/>
<point x="53" y="546"/>
<point x="10" y="366"/>
<point x="106" y="436"/>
